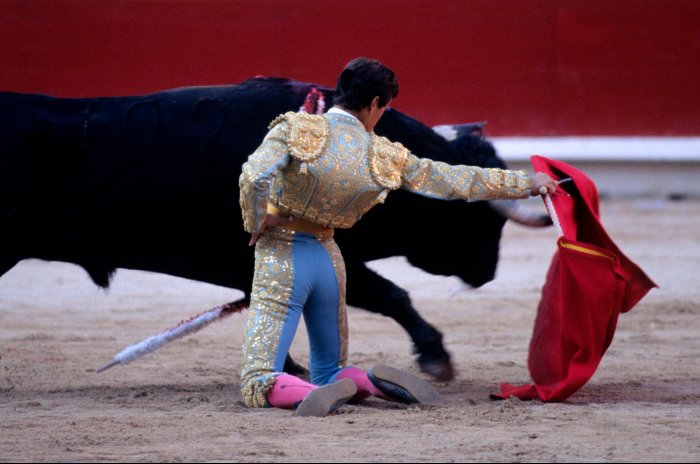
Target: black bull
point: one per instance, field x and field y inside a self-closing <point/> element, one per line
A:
<point x="151" y="183"/>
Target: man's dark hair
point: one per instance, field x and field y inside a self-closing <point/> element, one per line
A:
<point x="361" y="80"/>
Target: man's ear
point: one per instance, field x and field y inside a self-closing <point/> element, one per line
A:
<point x="375" y="102"/>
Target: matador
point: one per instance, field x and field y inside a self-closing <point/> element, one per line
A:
<point x="310" y="175"/>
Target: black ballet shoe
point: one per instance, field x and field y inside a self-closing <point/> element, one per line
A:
<point x="402" y="386"/>
<point x="326" y="399"/>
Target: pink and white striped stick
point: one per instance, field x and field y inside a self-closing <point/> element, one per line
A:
<point x="550" y="206"/>
<point x="182" y="329"/>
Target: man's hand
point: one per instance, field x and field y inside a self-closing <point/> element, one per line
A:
<point x="271" y="220"/>
<point x="541" y="182"/>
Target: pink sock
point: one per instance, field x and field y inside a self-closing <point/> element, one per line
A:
<point x="365" y="387"/>
<point x="288" y="391"/>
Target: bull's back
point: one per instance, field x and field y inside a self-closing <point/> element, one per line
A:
<point x="146" y="182"/>
<point x="151" y="181"/>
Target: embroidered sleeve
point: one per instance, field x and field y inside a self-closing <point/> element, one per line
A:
<point x="444" y="181"/>
<point x="259" y="173"/>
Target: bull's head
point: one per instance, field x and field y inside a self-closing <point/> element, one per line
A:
<point x="462" y="238"/>
<point x="472" y="148"/>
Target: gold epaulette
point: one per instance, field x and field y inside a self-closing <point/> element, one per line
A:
<point x="308" y="134"/>
<point x="386" y="162"/>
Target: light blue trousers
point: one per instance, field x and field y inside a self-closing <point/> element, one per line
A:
<point x="295" y="274"/>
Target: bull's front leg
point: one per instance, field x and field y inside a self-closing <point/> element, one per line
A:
<point x="368" y="290"/>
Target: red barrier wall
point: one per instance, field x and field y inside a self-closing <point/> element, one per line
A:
<point x="529" y="67"/>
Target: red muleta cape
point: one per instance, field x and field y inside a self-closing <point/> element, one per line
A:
<point x="589" y="283"/>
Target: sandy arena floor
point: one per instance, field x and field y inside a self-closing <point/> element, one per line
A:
<point x="182" y="402"/>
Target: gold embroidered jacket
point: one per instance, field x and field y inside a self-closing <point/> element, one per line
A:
<point x="329" y="170"/>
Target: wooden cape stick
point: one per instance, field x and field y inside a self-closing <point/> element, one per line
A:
<point x="182" y="329"/>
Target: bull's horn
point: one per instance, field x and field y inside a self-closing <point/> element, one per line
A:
<point x="513" y="210"/>
<point x="451" y="132"/>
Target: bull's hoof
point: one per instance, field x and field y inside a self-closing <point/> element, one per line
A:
<point x="441" y="370"/>
<point x="297" y="370"/>
<point x="433" y="359"/>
